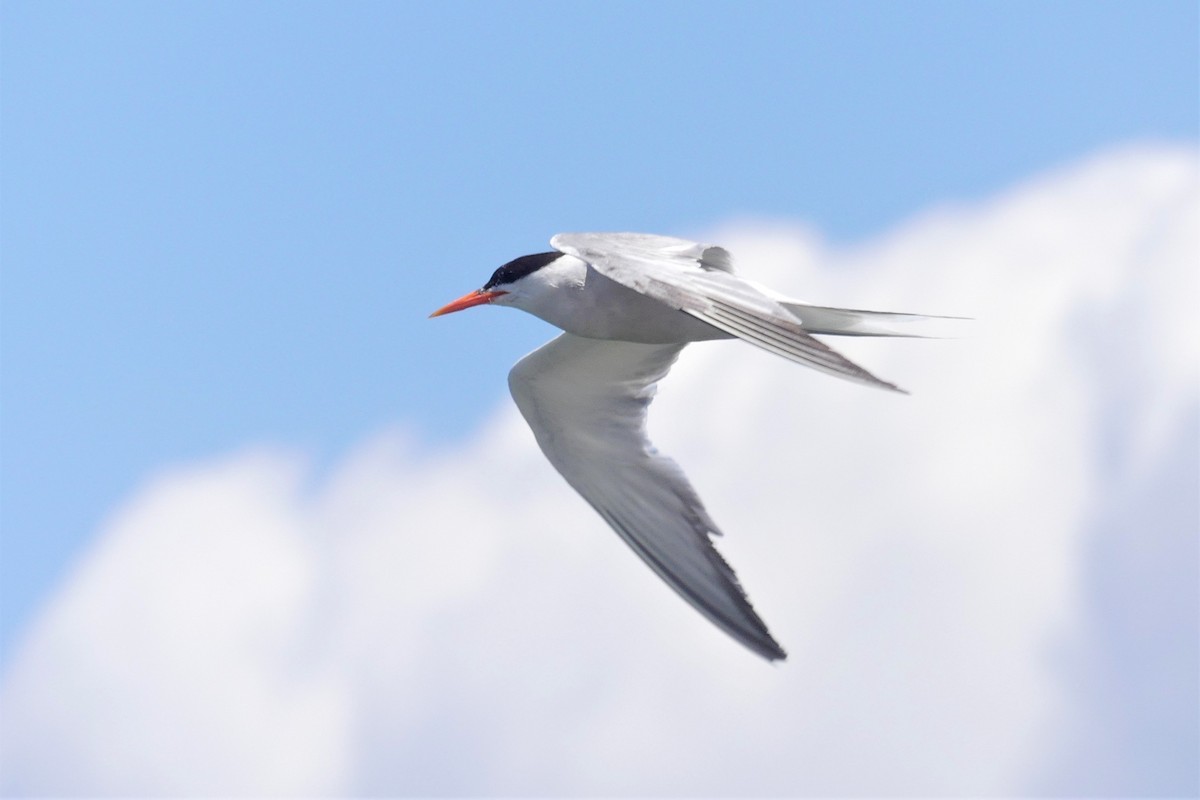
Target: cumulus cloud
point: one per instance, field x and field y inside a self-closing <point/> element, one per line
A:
<point x="986" y="587"/>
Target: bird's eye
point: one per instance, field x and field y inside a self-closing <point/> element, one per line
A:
<point x="498" y="277"/>
<point x="518" y="268"/>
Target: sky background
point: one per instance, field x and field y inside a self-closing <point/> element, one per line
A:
<point x="223" y="225"/>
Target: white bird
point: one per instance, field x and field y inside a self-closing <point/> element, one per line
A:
<point x="628" y="303"/>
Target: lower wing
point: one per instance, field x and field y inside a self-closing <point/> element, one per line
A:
<point x="586" y="401"/>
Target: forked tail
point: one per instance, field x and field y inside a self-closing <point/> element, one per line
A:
<point x="856" y="322"/>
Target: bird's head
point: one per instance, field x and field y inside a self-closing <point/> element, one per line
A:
<point x="507" y="285"/>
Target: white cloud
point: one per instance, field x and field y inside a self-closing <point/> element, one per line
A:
<point x="942" y="568"/>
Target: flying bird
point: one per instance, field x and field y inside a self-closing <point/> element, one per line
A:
<point x="629" y="303"/>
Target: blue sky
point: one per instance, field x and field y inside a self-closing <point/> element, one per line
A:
<point x="225" y="223"/>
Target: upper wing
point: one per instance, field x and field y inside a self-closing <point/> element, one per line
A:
<point x="586" y="401"/>
<point x="698" y="280"/>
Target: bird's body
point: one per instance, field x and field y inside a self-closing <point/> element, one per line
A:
<point x="628" y="304"/>
<point x="570" y="295"/>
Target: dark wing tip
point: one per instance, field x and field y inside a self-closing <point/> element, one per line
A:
<point x="774" y="652"/>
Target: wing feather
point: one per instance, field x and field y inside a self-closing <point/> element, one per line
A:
<point x="698" y="279"/>
<point x="586" y="401"/>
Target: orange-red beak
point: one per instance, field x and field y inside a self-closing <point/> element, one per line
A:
<point x="476" y="298"/>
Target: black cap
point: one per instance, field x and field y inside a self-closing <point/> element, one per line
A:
<point x="520" y="267"/>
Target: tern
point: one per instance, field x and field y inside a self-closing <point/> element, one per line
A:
<point x="628" y="303"/>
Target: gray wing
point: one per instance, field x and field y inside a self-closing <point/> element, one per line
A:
<point x="586" y="401"/>
<point x="698" y="280"/>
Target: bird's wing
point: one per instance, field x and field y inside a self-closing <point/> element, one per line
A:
<point x="586" y="401"/>
<point x="698" y="280"/>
